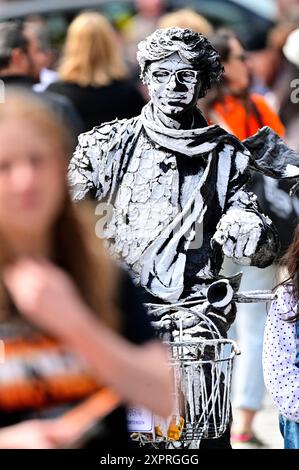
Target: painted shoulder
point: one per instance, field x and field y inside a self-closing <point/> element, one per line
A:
<point x="236" y="150"/>
<point x="108" y="131"/>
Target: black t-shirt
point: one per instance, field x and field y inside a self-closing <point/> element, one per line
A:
<point x="136" y="328"/>
<point x="98" y="104"/>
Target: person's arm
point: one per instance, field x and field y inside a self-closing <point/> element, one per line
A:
<point x="244" y="232"/>
<point x="281" y="373"/>
<point x="138" y="373"/>
<point x="47" y="297"/>
<point x="32" y="434"/>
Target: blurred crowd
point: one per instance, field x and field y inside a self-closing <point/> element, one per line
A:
<point x="94" y="78"/>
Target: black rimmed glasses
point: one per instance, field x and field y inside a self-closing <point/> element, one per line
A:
<point x="185" y="76"/>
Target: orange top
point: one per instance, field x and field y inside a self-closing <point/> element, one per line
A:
<point x="38" y="373"/>
<point x="242" y="122"/>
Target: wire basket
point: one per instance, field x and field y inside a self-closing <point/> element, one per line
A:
<point x="202" y="376"/>
<point x="202" y="372"/>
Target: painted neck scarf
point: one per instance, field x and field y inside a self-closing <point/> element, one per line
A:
<point x="190" y="142"/>
<point x="269" y="154"/>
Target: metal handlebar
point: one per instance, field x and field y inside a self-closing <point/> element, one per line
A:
<point x="250" y="296"/>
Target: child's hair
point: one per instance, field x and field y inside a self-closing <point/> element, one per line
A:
<point x="290" y="261"/>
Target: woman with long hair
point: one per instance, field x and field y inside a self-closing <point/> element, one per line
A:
<point x="93" y="75"/>
<point x="281" y="351"/>
<point x="60" y="293"/>
<point x="231" y="103"/>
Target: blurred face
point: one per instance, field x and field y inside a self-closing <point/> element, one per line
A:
<point x="173" y="85"/>
<point x="149" y="7"/>
<point x="264" y="65"/>
<point x="32" y="180"/>
<point x="236" y="69"/>
<point x="20" y="62"/>
<point x="38" y="59"/>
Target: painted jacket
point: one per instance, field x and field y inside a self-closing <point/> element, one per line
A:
<point x="164" y="207"/>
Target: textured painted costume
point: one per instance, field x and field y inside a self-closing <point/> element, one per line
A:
<point x="165" y="201"/>
<point x="179" y="197"/>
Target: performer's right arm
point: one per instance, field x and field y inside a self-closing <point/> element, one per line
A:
<point x="244" y="232"/>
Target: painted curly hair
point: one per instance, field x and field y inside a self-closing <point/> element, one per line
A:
<point x="192" y="47"/>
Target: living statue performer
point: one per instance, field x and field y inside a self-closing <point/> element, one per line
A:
<point x="177" y="186"/>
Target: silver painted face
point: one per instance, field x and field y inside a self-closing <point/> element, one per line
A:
<point x="173" y="85"/>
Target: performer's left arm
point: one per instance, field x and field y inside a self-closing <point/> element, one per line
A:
<point x="244" y="232"/>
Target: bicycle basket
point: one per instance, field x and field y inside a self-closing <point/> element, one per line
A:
<point x="202" y="373"/>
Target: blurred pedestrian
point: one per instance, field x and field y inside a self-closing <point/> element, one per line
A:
<point x="186" y="18"/>
<point x="231" y="103"/>
<point x="62" y="299"/>
<point x="19" y="66"/>
<point x="40" y="48"/>
<point x="281" y="352"/>
<point x="93" y="75"/>
<point x="143" y="23"/>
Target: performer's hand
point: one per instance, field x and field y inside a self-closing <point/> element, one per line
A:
<point x="238" y="232"/>
<point x="45" y="295"/>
